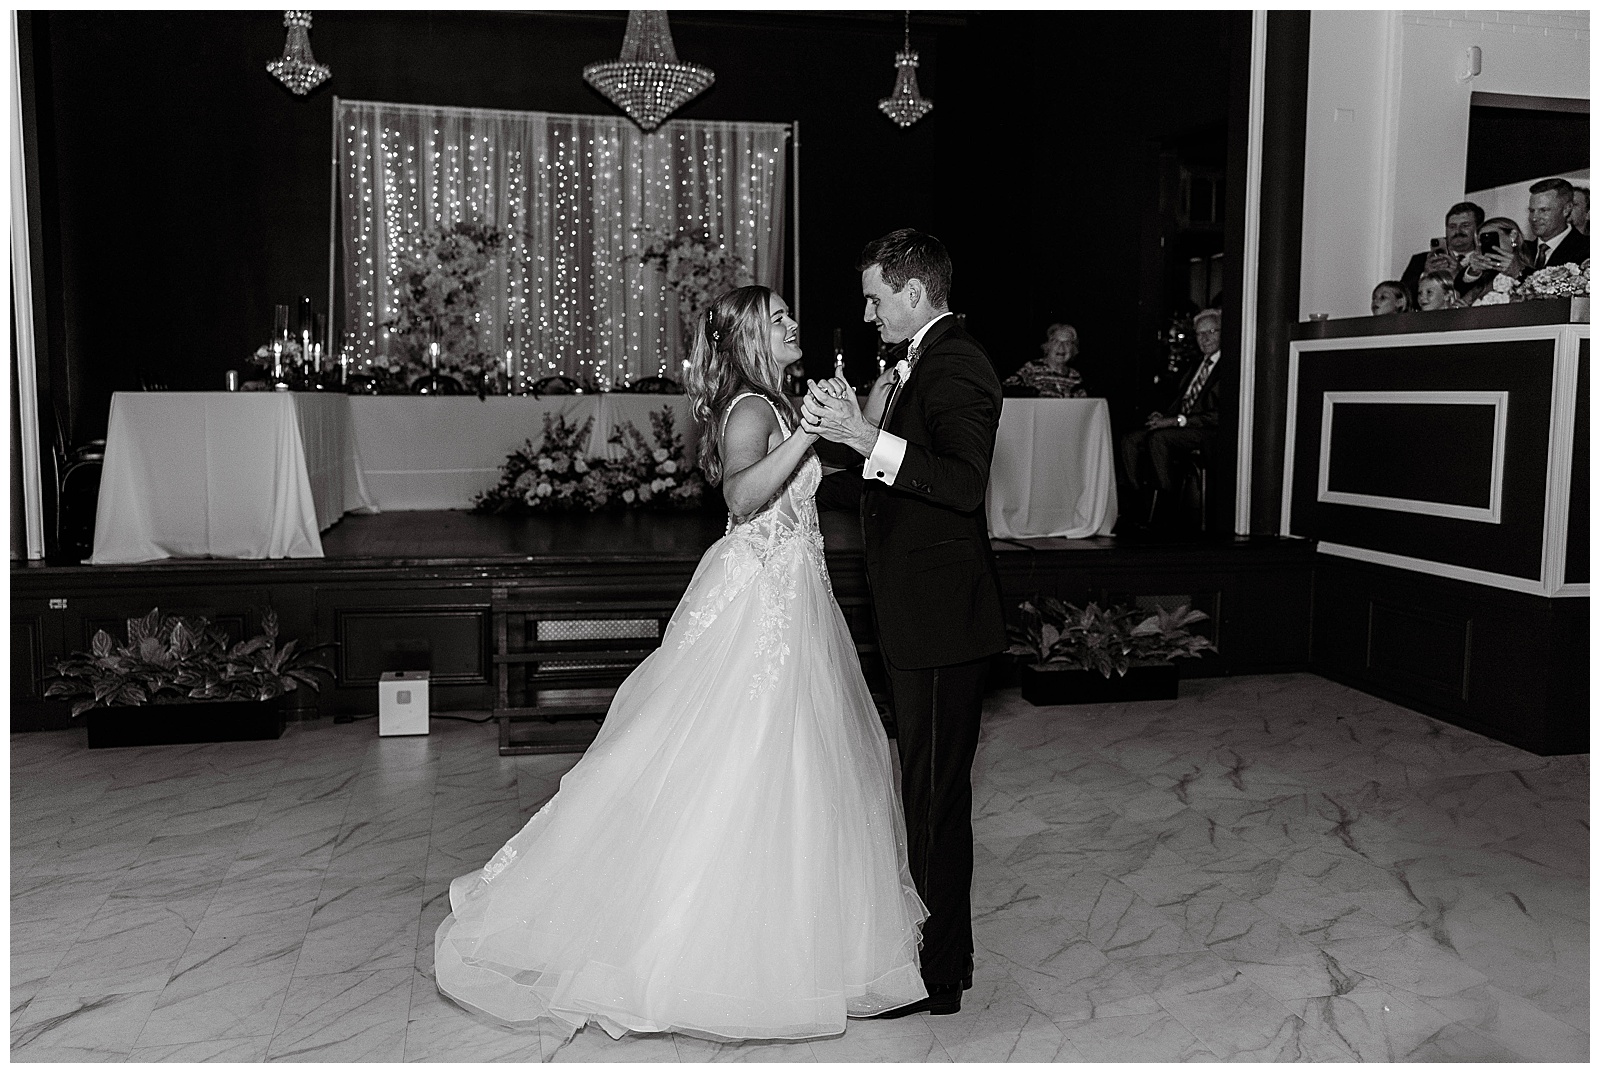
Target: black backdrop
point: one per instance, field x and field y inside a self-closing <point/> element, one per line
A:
<point x="183" y="191"/>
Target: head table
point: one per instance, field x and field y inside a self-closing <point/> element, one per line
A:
<point x="259" y="475"/>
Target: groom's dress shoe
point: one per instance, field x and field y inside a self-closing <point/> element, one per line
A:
<point x="942" y="999"/>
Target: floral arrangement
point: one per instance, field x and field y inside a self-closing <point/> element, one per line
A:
<point x="291" y="354"/>
<point x="171" y="660"/>
<point x="697" y="269"/>
<point x="1106" y="640"/>
<point x="439" y="295"/>
<point x="1557" y="281"/>
<point x="558" y="476"/>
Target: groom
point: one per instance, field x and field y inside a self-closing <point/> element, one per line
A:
<point x="935" y="590"/>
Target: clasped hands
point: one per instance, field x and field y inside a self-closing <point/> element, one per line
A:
<point x="831" y="411"/>
<point x="1157" y="419"/>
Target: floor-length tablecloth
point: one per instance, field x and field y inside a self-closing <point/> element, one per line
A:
<point x="436" y="453"/>
<point x="236" y="475"/>
<point x="1052" y="473"/>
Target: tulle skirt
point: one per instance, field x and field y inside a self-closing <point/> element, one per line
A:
<point x="728" y="858"/>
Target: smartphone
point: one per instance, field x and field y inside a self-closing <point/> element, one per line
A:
<point x="1489" y="242"/>
<point x="1436" y="245"/>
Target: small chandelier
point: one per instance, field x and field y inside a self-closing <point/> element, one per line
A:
<point x="298" y="68"/>
<point x="647" y="82"/>
<point x="905" y="105"/>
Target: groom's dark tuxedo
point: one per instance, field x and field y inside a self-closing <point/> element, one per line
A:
<point x="936" y="596"/>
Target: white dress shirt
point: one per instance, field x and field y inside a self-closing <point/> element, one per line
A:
<point x="889" y="450"/>
<point x="1550" y="243"/>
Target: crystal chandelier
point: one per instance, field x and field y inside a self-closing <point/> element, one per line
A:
<point x="647" y="82"/>
<point x="298" y="68"/>
<point x="905" y="105"/>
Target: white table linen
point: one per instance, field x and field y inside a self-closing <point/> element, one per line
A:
<point x="246" y="475"/>
<point x="1052" y="472"/>
<point x="437" y="452"/>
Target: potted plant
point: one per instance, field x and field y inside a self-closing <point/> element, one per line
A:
<point x="177" y="680"/>
<point x="1080" y="655"/>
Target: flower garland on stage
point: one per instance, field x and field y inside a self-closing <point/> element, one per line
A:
<point x="559" y="476"/>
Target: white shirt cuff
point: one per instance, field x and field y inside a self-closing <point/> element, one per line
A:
<point x="884" y="462"/>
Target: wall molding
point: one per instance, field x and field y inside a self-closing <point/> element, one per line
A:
<point x="1500" y="400"/>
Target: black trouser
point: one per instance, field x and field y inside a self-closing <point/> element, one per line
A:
<point x="936" y="713"/>
<point x="1160" y="452"/>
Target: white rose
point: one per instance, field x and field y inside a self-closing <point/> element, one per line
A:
<point x="525" y="480"/>
<point x="580" y="465"/>
<point x="669" y="482"/>
<point x="645" y="492"/>
<point x="669" y="466"/>
<point x="1502" y="283"/>
<point x="543" y="488"/>
<point x="657" y="484"/>
<point x="545" y="465"/>
<point x="660" y="454"/>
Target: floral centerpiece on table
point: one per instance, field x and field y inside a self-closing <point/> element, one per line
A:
<point x="698" y="269"/>
<point x="439" y="293"/>
<point x="558" y="476"/>
<point x="291" y="355"/>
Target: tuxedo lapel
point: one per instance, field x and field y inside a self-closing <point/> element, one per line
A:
<point x="931" y="337"/>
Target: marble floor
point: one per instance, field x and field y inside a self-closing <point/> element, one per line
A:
<point x="1269" y="868"/>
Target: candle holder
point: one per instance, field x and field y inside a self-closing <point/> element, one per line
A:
<point x="435" y="382"/>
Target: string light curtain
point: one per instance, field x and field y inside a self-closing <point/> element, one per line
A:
<point x="581" y="196"/>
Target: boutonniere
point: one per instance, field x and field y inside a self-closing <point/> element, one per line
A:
<point x="902" y="371"/>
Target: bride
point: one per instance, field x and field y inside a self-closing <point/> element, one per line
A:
<point x="728" y="858"/>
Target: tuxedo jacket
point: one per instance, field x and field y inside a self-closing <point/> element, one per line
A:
<point x="935" y="589"/>
<point x="1573" y="250"/>
<point x="1207" y="409"/>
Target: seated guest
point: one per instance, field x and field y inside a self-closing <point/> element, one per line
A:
<point x="1499" y="253"/>
<point x="1051" y="376"/>
<point x="1555" y="241"/>
<point x="1390" y="297"/>
<point x="1437" y="290"/>
<point x="1580" y="210"/>
<point x="1461" y="225"/>
<point x="1153" y="455"/>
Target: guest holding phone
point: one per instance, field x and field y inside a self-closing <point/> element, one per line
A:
<point x="1449" y="251"/>
<point x="1499" y="253"/>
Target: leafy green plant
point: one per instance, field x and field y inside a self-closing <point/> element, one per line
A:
<point x="172" y="660"/>
<point x="1106" y="640"/>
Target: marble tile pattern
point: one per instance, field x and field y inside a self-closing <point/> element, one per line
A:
<point x="1269" y="868"/>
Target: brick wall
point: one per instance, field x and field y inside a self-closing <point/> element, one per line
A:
<point x="1573" y="25"/>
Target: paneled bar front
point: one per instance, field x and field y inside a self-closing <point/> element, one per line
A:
<point x="1440" y="462"/>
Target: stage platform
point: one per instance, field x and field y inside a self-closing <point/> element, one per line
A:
<point x="420" y="589"/>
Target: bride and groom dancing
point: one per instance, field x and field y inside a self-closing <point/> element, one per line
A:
<point x="729" y="859"/>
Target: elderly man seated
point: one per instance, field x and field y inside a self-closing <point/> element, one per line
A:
<point x="1154" y="455"/>
<point x="1050" y="376"/>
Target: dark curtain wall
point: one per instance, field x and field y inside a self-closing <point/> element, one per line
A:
<point x="187" y="191"/>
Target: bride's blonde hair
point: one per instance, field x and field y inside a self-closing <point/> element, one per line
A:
<point x="732" y="354"/>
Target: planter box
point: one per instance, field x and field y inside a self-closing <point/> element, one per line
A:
<point x="185" y="724"/>
<point x="1073" y="685"/>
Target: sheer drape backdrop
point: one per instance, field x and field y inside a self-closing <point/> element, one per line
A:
<point x="582" y="196"/>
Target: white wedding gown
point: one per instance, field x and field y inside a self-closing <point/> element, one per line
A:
<point x="728" y="858"/>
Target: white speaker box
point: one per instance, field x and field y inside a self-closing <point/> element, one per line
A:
<point x="402" y="703"/>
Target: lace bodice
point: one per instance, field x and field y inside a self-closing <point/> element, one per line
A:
<point x="794" y="508"/>
<point x="775" y="550"/>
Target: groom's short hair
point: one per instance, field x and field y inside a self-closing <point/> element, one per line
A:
<point x="907" y="254"/>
